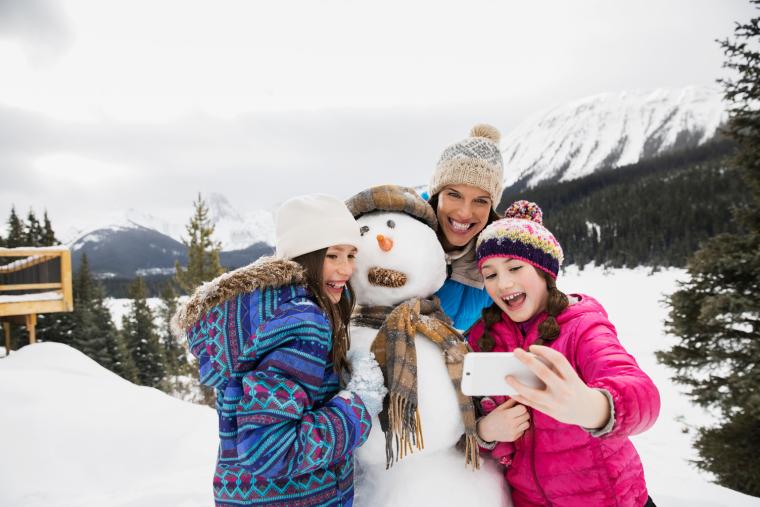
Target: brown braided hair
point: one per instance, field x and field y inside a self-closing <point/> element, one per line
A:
<point x="339" y="314"/>
<point x="548" y="330"/>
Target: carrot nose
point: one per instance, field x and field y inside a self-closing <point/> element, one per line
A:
<point x="385" y="243"/>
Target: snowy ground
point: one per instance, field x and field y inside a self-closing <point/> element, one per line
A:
<point x="119" y="307"/>
<point x="77" y="435"/>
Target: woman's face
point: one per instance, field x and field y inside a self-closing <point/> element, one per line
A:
<point x="462" y="213"/>
<point x="337" y="269"/>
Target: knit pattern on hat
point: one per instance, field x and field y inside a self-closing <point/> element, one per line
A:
<point x="392" y="198"/>
<point x="473" y="161"/>
<point x="521" y="235"/>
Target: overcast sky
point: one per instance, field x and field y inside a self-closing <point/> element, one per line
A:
<point x="109" y="105"/>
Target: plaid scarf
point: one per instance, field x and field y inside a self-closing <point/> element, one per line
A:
<point x="395" y="351"/>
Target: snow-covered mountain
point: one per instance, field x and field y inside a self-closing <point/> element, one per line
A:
<point x="235" y="230"/>
<point x="133" y="242"/>
<point x="609" y="130"/>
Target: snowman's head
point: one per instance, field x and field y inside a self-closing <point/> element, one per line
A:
<point x="399" y="257"/>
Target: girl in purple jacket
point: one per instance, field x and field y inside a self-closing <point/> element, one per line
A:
<point x="566" y="444"/>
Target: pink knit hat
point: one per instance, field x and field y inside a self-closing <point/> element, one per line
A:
<point x="521" y="235"/>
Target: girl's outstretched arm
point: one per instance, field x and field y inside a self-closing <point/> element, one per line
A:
<point x="566" y="397"/>
<point x="573" y="395"/>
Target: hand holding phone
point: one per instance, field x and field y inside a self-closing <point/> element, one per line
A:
<point x="506" y="423"/>
<point x="484" y="374"/>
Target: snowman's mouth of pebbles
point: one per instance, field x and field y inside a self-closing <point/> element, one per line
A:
<point x="384" y="277"/>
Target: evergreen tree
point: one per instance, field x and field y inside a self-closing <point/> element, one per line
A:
<point x="15" y="230"/>
<point x="48" y="235"/>
<point x="716" y="313"/>
<point x="174" y="352"/>
<point x="90" y="328"/>
<point x="33" y="230"/>
<point x="202" y="252"/>
<point x="141" y="337"/>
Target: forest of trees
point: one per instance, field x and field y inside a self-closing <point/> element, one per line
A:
<point x="142" y="349"/>
<point x="653" y="213"/>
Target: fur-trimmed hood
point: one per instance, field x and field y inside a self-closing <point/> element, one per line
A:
<point x="265" y="272"/>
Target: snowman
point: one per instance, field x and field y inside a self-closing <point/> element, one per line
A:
<point x="401" y="258"/>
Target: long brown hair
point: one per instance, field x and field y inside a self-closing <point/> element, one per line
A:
<point x="548" y="330"/>
<point x="338" y="313"/>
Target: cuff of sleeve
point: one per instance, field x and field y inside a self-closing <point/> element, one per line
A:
<point x="489" y="446"/>
<point x="352" y="406"/>
<point x="607" y="428"/>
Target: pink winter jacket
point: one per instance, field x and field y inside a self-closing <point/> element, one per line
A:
<point x="564" y="465"/>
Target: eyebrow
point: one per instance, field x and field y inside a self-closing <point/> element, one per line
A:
<point x="484" y="196"/>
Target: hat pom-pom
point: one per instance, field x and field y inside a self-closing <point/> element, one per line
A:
<point x="487" y="131"/>
<point x="525" y="210"/>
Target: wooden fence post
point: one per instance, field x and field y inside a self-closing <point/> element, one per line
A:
<point x="7" y="332"/>
<point x="31" y="322"/>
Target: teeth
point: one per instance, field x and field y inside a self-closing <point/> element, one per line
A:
<point x="336" y="285"/>
<point x="459" y="227"/>
<point x="510" y="297"/>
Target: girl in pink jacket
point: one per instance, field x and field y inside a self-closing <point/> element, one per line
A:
<point x="566" y="444"/>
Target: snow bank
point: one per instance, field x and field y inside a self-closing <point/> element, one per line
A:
<point x="36" y="296"/>
<point x="76" y="434"/>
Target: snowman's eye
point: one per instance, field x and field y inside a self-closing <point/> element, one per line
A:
<point x="391" y="224"/>
<point x="364" y="229"/>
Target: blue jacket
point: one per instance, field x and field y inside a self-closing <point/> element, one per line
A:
<point x="285" y="438"/>
<point x="463" y="303"/>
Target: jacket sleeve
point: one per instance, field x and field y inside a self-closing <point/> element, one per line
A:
<point x="603" y="363"/>
<point x="280" y="432"/>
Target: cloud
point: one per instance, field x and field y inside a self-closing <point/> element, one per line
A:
<point x="39" y="25"/>
<point x="77" y="169"/>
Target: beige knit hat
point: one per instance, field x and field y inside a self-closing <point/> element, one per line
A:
<point x="308" y="223"/>
<point x="473" y="161"/>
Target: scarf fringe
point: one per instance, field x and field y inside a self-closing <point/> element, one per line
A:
<point x="395" y="351"/>
<point x="405" y="430"/>
<point x="472" y="452"/>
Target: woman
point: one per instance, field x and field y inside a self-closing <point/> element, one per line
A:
<point x="464" y="190"/>
<point x="271" y="338"/>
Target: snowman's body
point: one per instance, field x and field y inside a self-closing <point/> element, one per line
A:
<point x="408" y="250"/>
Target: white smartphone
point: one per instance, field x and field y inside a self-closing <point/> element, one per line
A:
<point x="484" y="374"/>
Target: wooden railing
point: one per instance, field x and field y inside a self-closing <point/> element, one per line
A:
<point x="39" y="281"/>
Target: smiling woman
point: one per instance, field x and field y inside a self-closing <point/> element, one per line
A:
<point x="465" y="189"/>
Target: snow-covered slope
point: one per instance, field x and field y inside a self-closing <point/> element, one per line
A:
<point x="609" y="130"/>
<point x="235" y="230"/>
<point x="77" y="435"/>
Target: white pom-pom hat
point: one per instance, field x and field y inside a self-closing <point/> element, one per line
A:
<point x="308" y="223"/>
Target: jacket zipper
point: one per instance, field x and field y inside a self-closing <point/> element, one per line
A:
<point x="523" y="345"/>
<point x="533" y="462"/>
